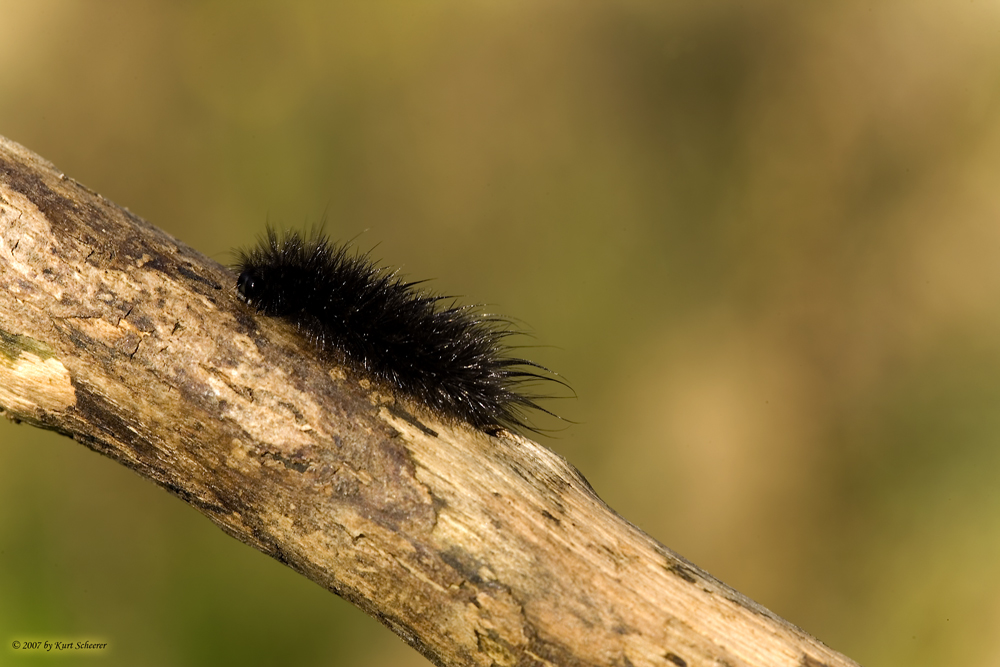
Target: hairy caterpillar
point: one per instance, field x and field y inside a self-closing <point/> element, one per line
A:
<point x="452" y="358"/>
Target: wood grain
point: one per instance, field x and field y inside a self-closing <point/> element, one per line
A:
<point x="476" y="550"/>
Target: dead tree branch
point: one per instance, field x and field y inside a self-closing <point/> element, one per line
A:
<point x="475" y="550"/>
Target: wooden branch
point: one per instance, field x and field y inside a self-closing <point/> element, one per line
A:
<point x="475" y="550"/>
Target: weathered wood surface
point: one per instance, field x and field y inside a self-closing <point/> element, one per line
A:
<point x="476" y="550"/>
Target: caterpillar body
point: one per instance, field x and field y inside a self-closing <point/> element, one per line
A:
<point x="452" y="358"/>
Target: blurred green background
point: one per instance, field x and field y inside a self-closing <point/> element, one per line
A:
<point x="761" y="241"/>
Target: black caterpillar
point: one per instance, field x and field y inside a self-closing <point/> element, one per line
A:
<point x="452" y="358"/>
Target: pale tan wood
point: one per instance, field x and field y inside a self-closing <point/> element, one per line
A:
<point x="476" y="550"/>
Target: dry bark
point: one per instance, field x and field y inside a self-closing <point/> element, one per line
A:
<point x="476" y="550"/>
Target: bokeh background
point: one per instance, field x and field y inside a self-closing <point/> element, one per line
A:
<point x="761" y="241"/>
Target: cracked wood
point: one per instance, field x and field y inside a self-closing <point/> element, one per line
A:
<point x="476" y="550"/>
